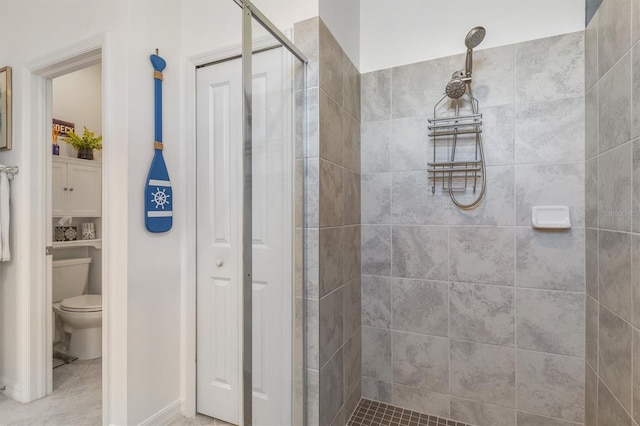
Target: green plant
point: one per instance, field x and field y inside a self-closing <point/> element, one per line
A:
<point x="88" y="140"/>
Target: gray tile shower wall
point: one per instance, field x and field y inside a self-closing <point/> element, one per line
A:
<point x="473" y="315"/>
<point x="333" y="288"/>
<point x="612" y="199"/>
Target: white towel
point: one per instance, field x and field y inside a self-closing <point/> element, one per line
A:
<point x="5" y="255"/>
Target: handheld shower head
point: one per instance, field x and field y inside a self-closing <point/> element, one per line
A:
<point x="474" y="37"/>
<point x="472" y="40"/>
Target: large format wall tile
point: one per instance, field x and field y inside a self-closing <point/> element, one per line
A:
<point x="636" y="375"/>
<point x="491" y="69"/>
<point x="483" y="373"/>
<point x="331" y="129"/>
<point x="591" y="332"/>
<point x="550" y="68"/>
<point x="420" y="400"/>
<point x="614" y="189"/>
<point x="635" y="78"/>
<point x="591" y="123"/>
<point x="590" y="397"/>
<point x="614" y="356"/>
<point x="550" y="184"/>
<point x="351" y="237"/>
<point x="550" y="321"/>
<point x="614" y="262"/>
<point x="591" y="260"/>
<point x="481" y="313"/>
<point x="351" y="142"/>
<point x="376" y="198"/>
<point x="610" y="412"/>
<point x="352" y="362"/>
<point x="376" y="390"/>
<point x="331" y="325"/>
<point x="352" y="207"/>
<point x="481" y="414"/>
<point x="331" y="388"/>
<point x="352" y="309"/>
<point x="376" y="301"/>
<point x="498" y="134"/>
<point x="421" y="361"/>
<point x="331" y="194"/>
<point x="352" y="87"/>
<point x="376" y="96"/>
<point x="375" y="140"/>
<point x="543" y="390"/>
<point x="550" y="131"/>
<point x="376" y="249"/>
<point x="331" y="259"/>
<point x="591" y="53"/>
<point x="376" y="354"/>
<point x="496" y="207"/>
<point x="550" y="260"/>
<point x="614" y="33"/>
<point x="635" y="278"/>
<point x="332" y="59"/>
<point x="528" y="419"/>
<point x="418" y="252"/>
<point x="409" y="143"/>
<point x="635" y="183"/>
<point x="420" y="307"/>
<point x="614" y="105"/>
<point x="417" y="87"/>
<point x="591" y="193"/>
<point x="481" y="255"/>
<point x="414" y="203"/>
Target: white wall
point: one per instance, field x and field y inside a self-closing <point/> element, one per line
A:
<point x="342" y="17"/>
<point x="145" y="280"/>
<point x="77" y="97"/>
<point x="400" y="32"/>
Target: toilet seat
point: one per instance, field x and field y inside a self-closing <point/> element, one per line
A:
<point x="84" y="303"/>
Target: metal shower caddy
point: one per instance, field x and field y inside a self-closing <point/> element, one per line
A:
<point x="458" y="173"/>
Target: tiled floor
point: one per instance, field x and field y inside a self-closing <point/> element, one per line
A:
<point x="196" y="421"/>
<point x="372" y="413"/>
<point x="76" y="399"/>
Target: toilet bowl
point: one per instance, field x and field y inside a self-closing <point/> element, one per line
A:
<point x="82" y="318"/>
<point x="80" y="313"/>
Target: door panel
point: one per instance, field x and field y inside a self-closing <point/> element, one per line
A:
<point x="219" y="199"/>
<point x="218" y="291"/>
<point x="85" y="190"/>
<point x="59" y="190"/>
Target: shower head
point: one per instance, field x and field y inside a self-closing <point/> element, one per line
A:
<point x="474" y="37"/>
<point x="455" y="88"/>
<point x="472" y="40"/>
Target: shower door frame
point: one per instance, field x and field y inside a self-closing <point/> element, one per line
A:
<point x="188" y="340"/>
<point x="249" y="13"/>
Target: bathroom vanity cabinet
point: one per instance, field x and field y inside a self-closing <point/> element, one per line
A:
<point x="77" y="187"/>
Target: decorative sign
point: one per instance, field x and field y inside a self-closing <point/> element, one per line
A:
<point x="62" y="128"/>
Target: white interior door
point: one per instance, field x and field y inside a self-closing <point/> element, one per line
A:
<point x="219" y="198"/>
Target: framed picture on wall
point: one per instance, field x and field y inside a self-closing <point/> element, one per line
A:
<point x="5" y="108"/>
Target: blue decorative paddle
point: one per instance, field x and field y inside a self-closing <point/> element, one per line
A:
<point x="158" y="194"/>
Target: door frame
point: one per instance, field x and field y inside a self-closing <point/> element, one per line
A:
<point x="36" y="125"/>
<point x="188" y="337"/>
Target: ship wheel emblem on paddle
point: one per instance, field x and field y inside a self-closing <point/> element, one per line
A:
<point x="158" y="193"/>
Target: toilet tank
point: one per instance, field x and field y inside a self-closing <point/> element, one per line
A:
<point x="70" y="278"/>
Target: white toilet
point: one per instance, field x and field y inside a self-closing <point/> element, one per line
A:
<point x="81" y="313"/>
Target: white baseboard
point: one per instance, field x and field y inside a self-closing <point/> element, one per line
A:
<point x="165" y="415"/>
<point x="12" y="390"/>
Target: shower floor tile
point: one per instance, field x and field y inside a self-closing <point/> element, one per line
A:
<point x="373" y="413"/>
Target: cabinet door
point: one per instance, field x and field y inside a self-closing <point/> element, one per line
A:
<point x="85" y="190"/>
<point x="59" y="188"/>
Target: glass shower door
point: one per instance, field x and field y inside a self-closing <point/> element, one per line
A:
<point x="272" y="231"/>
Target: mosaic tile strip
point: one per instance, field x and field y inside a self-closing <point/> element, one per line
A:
<point x="373" y="413"/>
